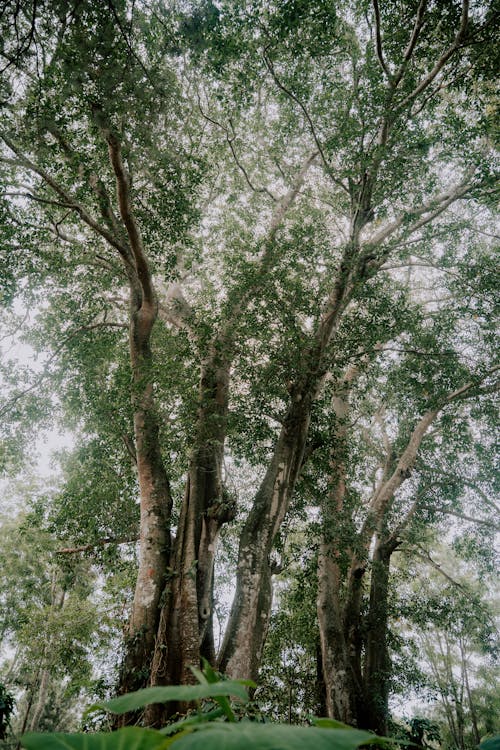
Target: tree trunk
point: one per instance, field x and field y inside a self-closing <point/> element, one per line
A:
<point x="246" y="632"/>
<point x="185" y="629"/>
<point x="338" y="601"/>
<point x="43" y="689"/>
<point x="338" y="675"/>
<point x="154" y="490"/>
<point x="155" y="509"/>
<point x="473" y="715"/>
<point x="377" y="667"/>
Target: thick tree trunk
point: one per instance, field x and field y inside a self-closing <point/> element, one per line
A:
<point x="245" y="635"/>
<point x="185" y="629"/>
<point x="339" y="600"/>
<point x="377" y="668"/>
<point x="338" y="677"/>
<point x="155" y="508"/>
<point x="154" y="490"/>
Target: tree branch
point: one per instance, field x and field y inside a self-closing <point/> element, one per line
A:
<point x="433" y="208"/>
<point x="417" y="28"/>
<point x="44" y="373"/>
<point x="443" y="59"/>
<point x="99" y="543"/>
<point x="308" y="118"/>
<point x="69" y="201"/>
<point x="378" y="38"/>
<point x="128" y="218"/>
<point x="449" y="512"/>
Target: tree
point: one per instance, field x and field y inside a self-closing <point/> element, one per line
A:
<point x="49" y="626"/>
<point x="245" y="239"/>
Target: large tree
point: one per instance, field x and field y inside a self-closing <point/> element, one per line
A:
<point x="211" y="207"/>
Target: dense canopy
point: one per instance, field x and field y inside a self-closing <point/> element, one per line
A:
<point x="248" y="263"/>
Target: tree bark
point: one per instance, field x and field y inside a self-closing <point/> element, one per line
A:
<point x="154" y="490"/>
<point x="185" y="629"/>
<point x="377" y="666"/>
<point x="246" y="632"/>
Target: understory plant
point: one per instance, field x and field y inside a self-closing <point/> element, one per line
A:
<point x="212" y="725"/>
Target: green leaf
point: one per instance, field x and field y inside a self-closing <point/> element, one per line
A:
<point x="330" y="724"/>
<point x="491" y="743"/>
<point x="141" y="698"/>
<point x="253" y="736"/>
<point x="179" y="726"/>
<point x="128" y="738"/>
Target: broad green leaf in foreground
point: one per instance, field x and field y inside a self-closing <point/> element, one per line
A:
<point x="141" y="698"/>
<point x="128" y="738"/>
<point x="253" y="736"/>
<point x="490" y="743"/>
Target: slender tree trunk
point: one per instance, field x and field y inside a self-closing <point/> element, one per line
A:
<point x="246" y="632"/>
<point x="43" y="689"/>
<point x="472" y="708"/>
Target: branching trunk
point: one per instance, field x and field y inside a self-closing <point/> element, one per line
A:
<point x="155" y="497"/>
<point x="245" y="636"/>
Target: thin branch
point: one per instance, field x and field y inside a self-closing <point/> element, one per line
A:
<point x="443" y="59"/>
<point x="468" y="482"/>
<point x="425" y="556"/>
<point x="308" y="118"/>
<point x="417" y="28"/>
<point x="130" y="446"/>
<point x="38" y="199"/>
<point x="464" y="389"/>
<point x="44" y="373"/>
<point x="99" y="543"/>
<point x="230" y="139"/>
<point x="69" y="200"/>
<point x="472" y="519"/>
<point x="434" y="208"/>
<point x="378" y="37"/>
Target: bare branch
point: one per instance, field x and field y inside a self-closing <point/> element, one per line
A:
<point x="308" y="118"/>
<point x="230" y="140"/>
<point x="425" y="556"/>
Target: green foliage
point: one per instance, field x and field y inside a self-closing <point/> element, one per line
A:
<point x="206" y="730"/>
<point x="217" y="106"/>
<point x="133" y="701"/>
